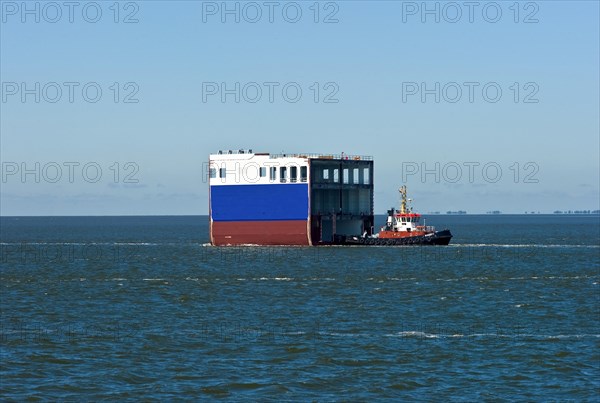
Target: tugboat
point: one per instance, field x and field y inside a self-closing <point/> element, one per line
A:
<point x="402" y="228"/>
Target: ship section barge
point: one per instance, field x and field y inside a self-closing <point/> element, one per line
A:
<point x="288" y="199"/>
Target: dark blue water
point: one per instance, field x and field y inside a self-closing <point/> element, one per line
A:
<point x="106" y="308"/>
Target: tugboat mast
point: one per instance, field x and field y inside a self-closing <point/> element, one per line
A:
<point x="404" y="209"/>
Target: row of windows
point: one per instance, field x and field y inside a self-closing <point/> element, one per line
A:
<point x="262" y="173"/>
<point x="291" y="174"/>
<point x="333" y="175"/>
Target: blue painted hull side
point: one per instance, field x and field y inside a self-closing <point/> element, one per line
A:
<point x="259" y="202"/>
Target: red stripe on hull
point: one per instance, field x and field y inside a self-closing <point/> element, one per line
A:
<point x="400" y="234"/>
<point x="259" y="232"/>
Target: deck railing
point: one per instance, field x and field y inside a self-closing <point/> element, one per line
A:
<point x="342" y="156"/>
<point x="325" y="156"/>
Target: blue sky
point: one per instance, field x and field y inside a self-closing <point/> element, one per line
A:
<point x="542" y="132"/>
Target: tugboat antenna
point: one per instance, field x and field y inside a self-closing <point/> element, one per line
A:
<point x="403" y="200"/>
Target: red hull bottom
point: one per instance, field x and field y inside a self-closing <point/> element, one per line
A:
<point x="259" y="233"/>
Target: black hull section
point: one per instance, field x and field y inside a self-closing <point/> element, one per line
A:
<point x="437" y="238"/>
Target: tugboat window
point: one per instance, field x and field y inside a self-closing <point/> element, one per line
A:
<point x="273" y="174"/>
<point x="336" y="175"/>
<point x="346" y="174"/>
<point x="355" y="178"/>
<point x="222" y="172"/>
<point x="293" y="174"/>
<point x="303" y="174"/>
<point x="263" y="172"/>
<point x="326" y="174"/>
<point x="213" y="172"/>
<point x="366" y="176"/>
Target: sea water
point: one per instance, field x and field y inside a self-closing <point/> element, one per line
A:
<point x="107" y="308"/>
